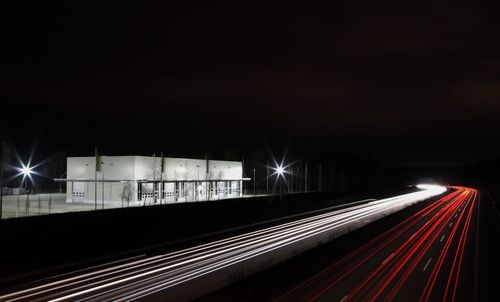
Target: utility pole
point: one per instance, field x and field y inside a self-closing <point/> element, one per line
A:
<point x="28" y="201"/>
<point x="305" y="178"/>
<point x="298" y="183"/>
<point x="154" y="178"/>
<point x="162" y="168"/>
<point x="319" y="179"/>
<point x="253" y="181"/>
<point x="197" y="184"/>
<point x="18" y="202"/>
<point x="95" y="178"/>
<point x="288" y="183"/>
<point x="267" y="177"/>
<point x="243" y="174"/>
<point x="102" y="168"/>
<point x="280" y="179"/>
<point x="207" y="176"/>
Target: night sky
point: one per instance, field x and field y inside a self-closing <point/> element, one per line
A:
<point x="408" y="83"/>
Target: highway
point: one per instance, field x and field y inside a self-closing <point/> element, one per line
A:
<point x="427" y="257"/>
<point x="188" y="273"/>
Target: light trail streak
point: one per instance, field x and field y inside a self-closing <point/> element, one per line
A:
<point x="404" y="247"/>
<point x="430" y="286"/>
<point x="417" y="252"/>
<point x="138" y="278"/>
<point x="380" y="279"/>
<point x="374" y="246"/>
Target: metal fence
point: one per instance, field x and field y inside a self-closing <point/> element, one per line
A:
<point x="23" y="205"/>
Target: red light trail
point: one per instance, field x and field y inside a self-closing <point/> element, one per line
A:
<point x="407" y="251"/>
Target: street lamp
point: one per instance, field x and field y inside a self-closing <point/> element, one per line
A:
<point x="280" y="171"/>
<point x="26" y="171"/>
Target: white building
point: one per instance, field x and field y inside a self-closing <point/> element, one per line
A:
<point x="146" y="180"/>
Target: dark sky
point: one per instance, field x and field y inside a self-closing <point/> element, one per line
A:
<point x="406" y="82"/>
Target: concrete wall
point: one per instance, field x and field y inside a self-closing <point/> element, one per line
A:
<point x="113" y="168"/>
<point x="80" y="168"/>
<point x="185" y="169"/>
<point x="225" y="169"/>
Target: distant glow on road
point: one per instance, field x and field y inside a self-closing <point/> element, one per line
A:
<point x="436" y="189"/>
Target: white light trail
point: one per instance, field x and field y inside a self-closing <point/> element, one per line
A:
<point x="133" y="280"/>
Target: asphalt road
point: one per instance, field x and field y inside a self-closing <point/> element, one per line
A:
<point x="427" y="257"/>
<point x="177" y="275"/>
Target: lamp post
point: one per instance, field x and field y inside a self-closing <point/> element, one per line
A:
<point x="281" y="186"/>
<point x="267" y="177"/>
<point x="198" y="184"/>
<point x="97" y="168"/>
<point x="26" y="171"/>
<point x="319" y="178"/>
<point x="280" y="174"/>
<point x="305" y="178"/>
<point x="102" y="201"/>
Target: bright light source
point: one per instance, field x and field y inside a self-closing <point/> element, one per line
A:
<point x="280" y="170"/>
<point x="426" y="186"/>
<point x="437" y="189"/>
<point x="26" y="171"/>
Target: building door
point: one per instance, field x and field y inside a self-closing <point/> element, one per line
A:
<point x="78" y="194"/>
